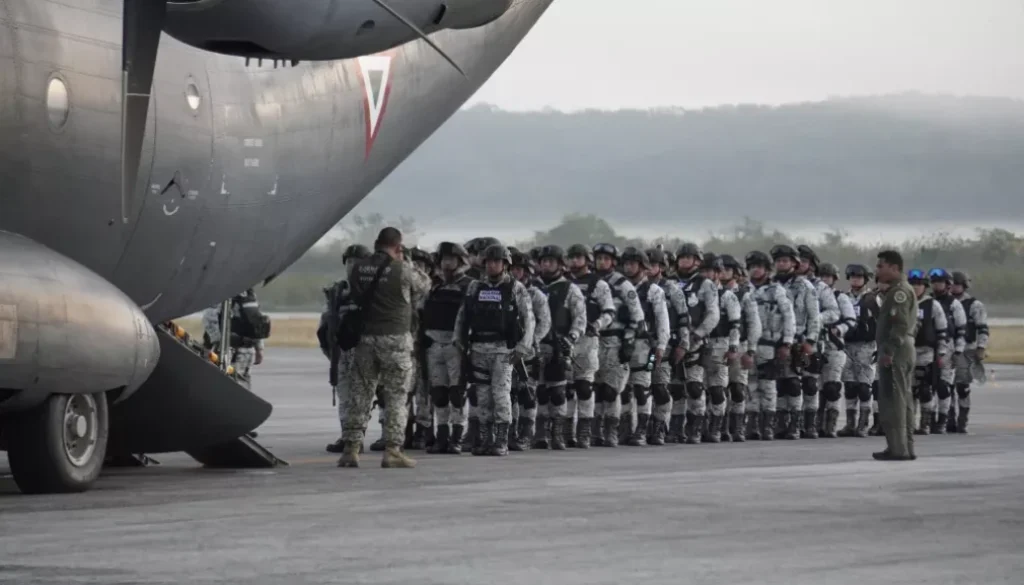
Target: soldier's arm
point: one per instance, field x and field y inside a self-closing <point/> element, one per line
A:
<point x="980" y="314"/>
<point x="847" y="315"/>
<point x="785" y="305"/>
<point x="417" y="281"/>
<point x="636" y="310"/>
<point x="709" y="296"/>
<point x="603" y="296"/>
<point x="678" y="300"/>
<point x="960" y="326"/>
<point x="901" y="307"/>
<point x="659" y="302"/>
<point x="526" y="318"/>
<point x="211" y="324"/>
<point x="542" y="312"/>
<point x="734" y="313"/>
<point x="460" y="317"/>
<point x="813" y="315"/>
<point x="753" y="317"/>
<point x="941" y="326"/>
<point x="829" y="308"/>
<point x="578" y="310"/>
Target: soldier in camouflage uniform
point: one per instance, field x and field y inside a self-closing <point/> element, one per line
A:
<point x="826" y="363"/>
<point x="859" y="372"/>
<point x="662" y="375"/>
<point x="496" y="324"/>
<point x="835" y="350"/>
<point x="600" y="310"/>
<point x="524" y="413"/>
<point x="722" y="349"/>
<point x="750" y="335"/>
<point x="383" y="355"/>
<point x="956" y="330"/>
<point x="976" y="338"/>
<point x="778" y="327"/>
<point x="246" y="343"/>
<point x="930" y="346"/>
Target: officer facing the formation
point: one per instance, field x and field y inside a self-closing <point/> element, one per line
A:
<point x="804" y="296"/>
<point x="496" y="325"/>
<point x="600" y="309"/>
<point x="835" y="350"/>
<point x="701" y="318"/>
<point x="976" y="338"/>
<point x="339" y="302"/>
<point x="525" y="381"/>
<point x="823" y="366"/>
<point x="932" y="333"/>
<point x="249" y="327"/>
<point x="618" y="341"/>
<point x="443" y="359"/>
<point x="750" y="335"/>
<point x="778" y="327"/>
<point x="859" y="372"/>
<point x="389" y="286"/>
<point x="897" y="319"/>
<point x="956" y="330"/>
<point x="677" y="312"/>
<point x="651" y="342"/>
<point x="565" y="307"/>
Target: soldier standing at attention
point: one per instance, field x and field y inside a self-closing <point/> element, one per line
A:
<point x="392" y="286"/>
<point x="897" y="320"/>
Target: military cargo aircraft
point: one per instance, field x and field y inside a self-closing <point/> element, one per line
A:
<point x="156" y="157"/>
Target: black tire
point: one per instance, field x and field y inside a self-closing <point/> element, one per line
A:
<point x="39" y="461"/>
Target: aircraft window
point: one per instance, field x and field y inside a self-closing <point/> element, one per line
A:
<point x="57" y="103"/>
<point x="192" y="96"/>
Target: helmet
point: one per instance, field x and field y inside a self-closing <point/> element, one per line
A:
<point x="421" y="255"/>
<point x="657" y="257"/>
<point x="513" y="250"/>
<point x="520" y="259"/>
<point x="784" y="251"/>
<point x="580" y="250"/>
<point x="828" y="269"/>
<point x="939" y="275"/>
<point x="961" y="278"/>
<point x="535" y="253"/>
<point x="555" y="252"/>
<point x="858" y="270"/>
<point x="452" y="249"/>
<point x="730" y="261"/>
<point x="806" y="253"/>
<point x="497" y="252"/>
<point x="758" y="258"/>
<point x="711" y="262"/>
<point x="636" y="255"/>
<point x="670" y="258"/>
<point x="690" y="249"/>
<point x="478" y="246"/>
<point x="355" y="251"/>
<point x="607" y="249"/>
<point x="916" y="276"/>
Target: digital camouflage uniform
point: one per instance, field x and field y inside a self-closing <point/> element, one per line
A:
<point x="976" y="338"/>
<point x="778" y="328"/>
<point x="614" y="357"/>
<point x="600" y="310"/>
<point x="242" y="349"/>
<point x="790" y="384"/>
<point x="859" y="372"/>
<point x="637" y="397"/>
<point x="687" y="392"/>
<point x="739" y="376"/>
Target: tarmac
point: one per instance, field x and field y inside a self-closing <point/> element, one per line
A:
<point x="794" y="512"/>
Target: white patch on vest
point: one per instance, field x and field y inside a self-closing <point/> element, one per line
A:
<point x="920" y="313"/>
<point x="856" y="310"/>
<point x="490" y="295"/>
<point x="8" y="331"/>
<point x="692" y="300"/>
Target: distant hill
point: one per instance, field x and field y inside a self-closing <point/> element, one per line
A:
<point x="919" y="157"/>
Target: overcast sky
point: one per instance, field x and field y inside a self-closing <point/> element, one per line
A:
<point x="692" y="53"/>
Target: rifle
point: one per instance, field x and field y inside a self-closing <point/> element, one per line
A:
<point x="333" y="324"/>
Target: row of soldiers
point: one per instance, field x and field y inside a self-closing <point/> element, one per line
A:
<point x="596" y="346"/>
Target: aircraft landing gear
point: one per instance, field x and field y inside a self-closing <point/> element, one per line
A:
<point x="59" y="446"/>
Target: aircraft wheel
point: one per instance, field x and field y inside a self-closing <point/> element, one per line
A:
<point x="59" y="446"/>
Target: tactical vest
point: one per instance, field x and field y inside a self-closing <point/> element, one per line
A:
<point x="866" y="308"/>
<point x="946" y="301"/>
<point x="493" y="314"/>
<point x="587" y="285"/>
<point x="926" y="336"/>
<point x="673" y="314"/>
<point x="561" y="320"/>
<point x="695" y="308"/>
<point x="622" y="314"/>
<point x="972" y="326"/>
<point x="721" y="331"/>
<point x="741" y="293"/>
<point x="388" y="313"/>
<point x="442" y="305"/>
<point x="643" y="292"/>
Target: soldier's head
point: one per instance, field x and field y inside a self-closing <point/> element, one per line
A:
<point x="918" y="280"/>
<point x="889" y="267"/>
<point x="579" y="257"/>
<point x="552" y="261"/>
<point x="940" y="280"/>
<point x="785" y="258"/>
<point x="389" y="240"/>
<point x="712" y="267"/>
<point x="657" y="262"/>
<point x="521" y="266"/>
<point x="857" y="275"/>
<point x="496" y="260"/>
<point x="828" y="273"/>
<point x="759" y="265"/>
<point x="961" y="282"/>
<point x="808" y="261"/>
<point x="453" y="256"/>
<point x="634" y="262"/>
<point x="605" y="257"/>
<point x="352" y="254"/>
<point x="422" y="259"/>
<point x="476" y="248"/>
<point x="731" y="268"/>
<point x="688" y="257"/>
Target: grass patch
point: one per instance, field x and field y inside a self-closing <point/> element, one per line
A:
<point x="1005" y="347"/>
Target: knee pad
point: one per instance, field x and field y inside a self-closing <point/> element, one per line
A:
<point x="851" y="390"/>
<point x="607" y="393"/>
<point x="737" y="392"/>
<point x="790" y="387"/>
<point x="717" y="395"/>
<point x="874" y="390"/>
<point x="660" y="394"/>
<point x="963" y="390"/>
<point x="832" y="391"/>
<point x="457" y="396"/>
<point x="627" y="395"/>
<point x="694" y="390"/>
<point x="809" y="385"/>
<point x="527" y="398"/>
<point x="557" y="395"/>
<point x="543" y="395"/>
<point x="584" y="390"/>
<point x="864" y="392"/>
<point x="439" y="396"/>
<point x="924" y="392"/>
<point x="554" y="371"/>
<point x="677" y="391"/>
<point x="768" y="370"/>
<point x="570" y="392"/>
<point x="942" y="390"/>
<point x="642" y="393"/>
<point x="472" y="395"/>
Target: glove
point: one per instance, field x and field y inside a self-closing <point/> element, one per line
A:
<point x="782" y="353"/>
<point x="747" y="361"/>
<point x="565" y="344"/>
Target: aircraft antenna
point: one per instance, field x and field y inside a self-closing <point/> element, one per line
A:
<point x="412" y="26"/>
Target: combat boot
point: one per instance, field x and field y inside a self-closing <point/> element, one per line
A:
<point x="768" y="426"/>
<point x="810" y="430"/>
<point x="927" y="420"/>
<point x="611" y="431"/>
<point x="864" y="422"/>
<point x="638" y="438"/>
<point x="378" y="445"/>
<point x="499" y="446"/>
<point x="781" y="424"/>
<point x="657" y="436"/>
<point x="524" y="438"/>
<point x="428" y="436"/>
<point x="693" y="428"/>
<point x="350" y="458"/>
<point x="597" y="431"/>
<point x="469" y="440"/>
<point x="583" y="428"/>
<point x="715" y="428"/>
<point x="850" y="430"/>
<point x="557" y="435"/>
<point x="793" y="421"/>
<point x="568" y="432"/>
<point x="455" y="443"/>
<point x="739" y="431"/>
<point x="543" y="431"/>
<point x="876" y="428"/>
<point x="513" y="433"/>
<point x="675" y="429"/>
<point x="754" y="423"/>
<point x="625" y="432"/>
<point x="419" y="439"/>
<point x="485" y="439"/>
<point x="961" y="420"/>
<point x="410" y="431"/>
<point x="727" y="429"/>
<point x="939" y="428"/>
<point x="831" y="422"/>
<point x="951" y="420"/>
<point x="336" y="447"/>
<point x="440" y="441"/>
<point x="394" y="459"/>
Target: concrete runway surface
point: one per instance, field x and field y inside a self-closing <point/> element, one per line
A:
<point x="783" y="512"/>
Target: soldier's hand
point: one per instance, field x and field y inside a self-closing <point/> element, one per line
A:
<point x="259" y="357"/>
<point x="731" y="355"/>
<point x="980" y="353"/>
<point x="591" y="330"/>
<point x="658" y="355"/>
<point x="782" y="353"/>
<point x="747" y="361"/>
<point x="885" y="360"/>
<point x="678" y="355"/>
<point x="565" y="344"/>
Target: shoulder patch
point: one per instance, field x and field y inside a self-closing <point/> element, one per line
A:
<point x="899" y="297"/>
<point x="631" y="295"/>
